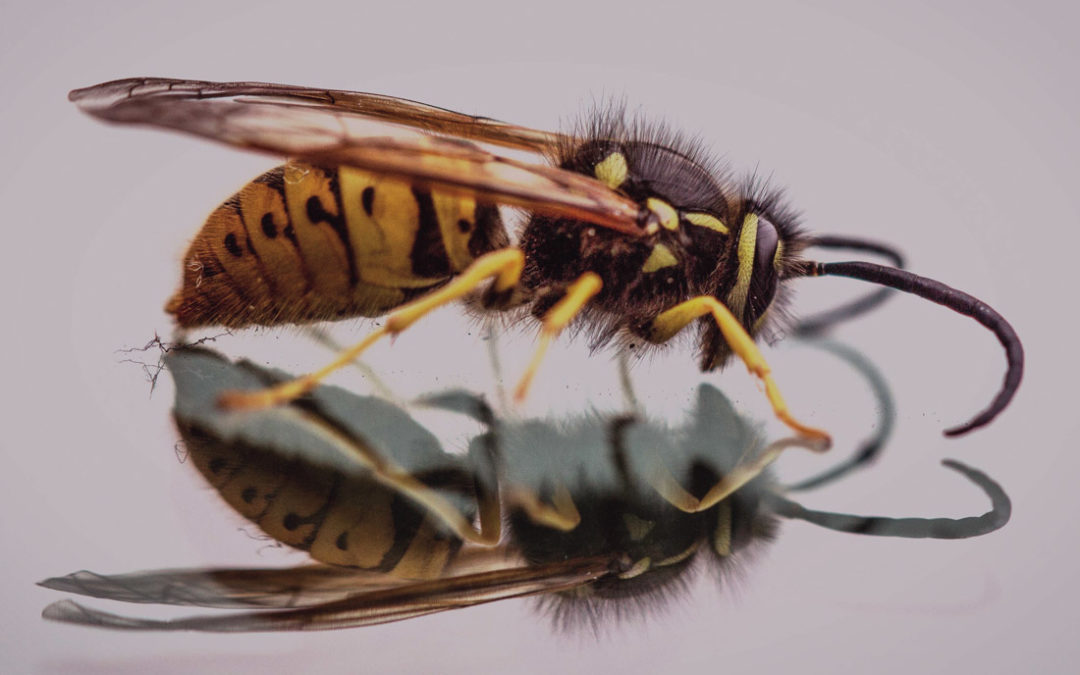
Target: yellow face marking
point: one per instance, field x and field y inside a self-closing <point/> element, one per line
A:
<point x="612" y="171"/>
<point x="722" y="535"/>
<point x="665" y="213"/>
<point x="660" y="258"/>
<point x="710" y="222"/>
<point x="779" y="254"/>
<point x="637" y="527"/>
<point x="761" y="319"/>
<point x="747" y="244"/>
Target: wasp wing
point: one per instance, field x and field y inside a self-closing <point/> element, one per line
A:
<point x="348" y="128"/>
<point x="137" y="91"/>
<point x="224" y="588"/>
<point x="266" y="588"/>
<point x="366" y="608"/>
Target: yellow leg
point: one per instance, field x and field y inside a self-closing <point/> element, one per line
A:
<point x="561" y="514"/>
<point x="577" y="296"/>
<point x="745" y="471"/>
<point x="504" y="265"/>
<point x="670" y="322"/>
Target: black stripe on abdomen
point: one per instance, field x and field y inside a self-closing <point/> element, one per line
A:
<point x="428" y="254"/>
<point x="406" y="519"/>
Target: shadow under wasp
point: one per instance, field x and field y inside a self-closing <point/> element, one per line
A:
<point x="595" y="514"/>
<point x="390" y="207"/>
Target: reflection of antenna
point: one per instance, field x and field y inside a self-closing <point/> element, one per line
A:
<point x="871" y="447"/>
<point x="911" y="528"/>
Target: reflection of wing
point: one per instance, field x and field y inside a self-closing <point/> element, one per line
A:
<point x="225" y="588"/>
<point x="247" y="588"/>
<point x="347" y="128"/>
<point x="367" y="607"/>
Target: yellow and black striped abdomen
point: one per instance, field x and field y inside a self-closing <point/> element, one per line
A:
<point x="339" y="519"/>
<point x="302" y="243"/>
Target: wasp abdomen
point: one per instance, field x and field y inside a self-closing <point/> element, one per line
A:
<point x="302" y="243"/>
<point x="351" y="521"/>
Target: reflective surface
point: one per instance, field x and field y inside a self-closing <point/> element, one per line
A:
<point x="948" y="133"/>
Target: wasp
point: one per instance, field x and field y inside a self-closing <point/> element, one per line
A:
<point x="390" y="206"/>
<point x="615" y="510"/>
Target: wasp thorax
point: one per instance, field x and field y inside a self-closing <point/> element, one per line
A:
<point x="643" y="170"/>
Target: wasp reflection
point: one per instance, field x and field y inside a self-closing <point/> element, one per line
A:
<point x="598" y="514"/>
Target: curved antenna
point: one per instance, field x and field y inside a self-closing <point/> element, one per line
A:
<point x="912" y="528"/>
<point x="958" y="301"/>
<point x="871" y="447"/>
<point x="817" y="324"/>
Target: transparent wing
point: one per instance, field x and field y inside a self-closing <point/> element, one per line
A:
<point x="367" y="607"/>
<point x="348" y="128"/>
<point x="267" y="588"/>
<point x="122" y="100"/>
<point x="236" y="588"/>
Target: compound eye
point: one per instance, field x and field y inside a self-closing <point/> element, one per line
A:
<point x="765" y="250"/>
<point x="764" y="279"/>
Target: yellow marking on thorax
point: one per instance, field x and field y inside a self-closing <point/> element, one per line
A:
<point x="707" y="221"/>
<point x="383" y="241"/>
<point x="722" y="534"/>
<point x="612" y="170"/>
<point x="323" y="251"/>
<point x="665" y="213"/>
<point x="747" y="243"/>
<point x="660" y="258"/>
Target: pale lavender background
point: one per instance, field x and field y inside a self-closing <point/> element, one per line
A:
<point x="950" y="131"/>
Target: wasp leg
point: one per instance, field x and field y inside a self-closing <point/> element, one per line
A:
<point x="630" y="399"/>
<point x="744" y="472"/>
<point x="388" y="473"/>
<point x="668" y="323"/>
<point x="489" y="507"/>
<point x="561" y="514"/>
<point x="323" y="338"/>
<point x="492" y="338"/>
<point x="667" y="487"/>
<point x="577" y="296"/>
<point x="504" y="265"/>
